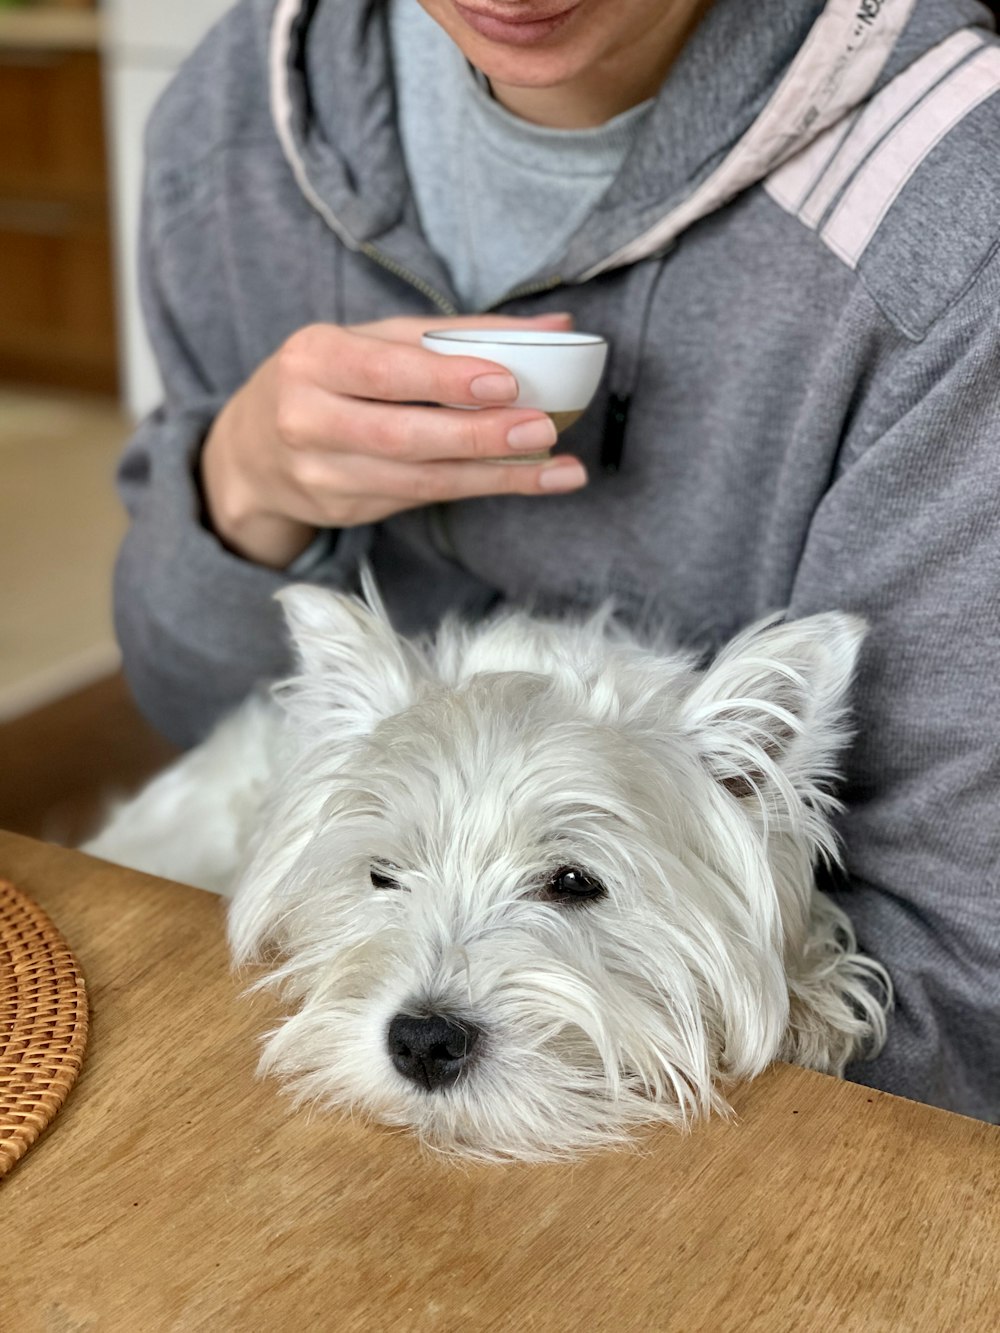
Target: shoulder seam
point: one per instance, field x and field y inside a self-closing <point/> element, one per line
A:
<point x="843" y="185"/>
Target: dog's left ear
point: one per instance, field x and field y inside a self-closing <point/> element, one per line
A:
<point x="354" y="665"/>
<point x="769" y="713"/>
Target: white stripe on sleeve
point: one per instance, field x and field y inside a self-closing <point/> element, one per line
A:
<point x="871" y="193"/>
<point x="897" y="99"/>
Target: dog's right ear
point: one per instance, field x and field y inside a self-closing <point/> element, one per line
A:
<point x="353" y="664"/>
<point x="769" y="713"/>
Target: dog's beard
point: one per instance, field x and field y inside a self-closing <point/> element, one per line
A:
<point x="586" y="1033"/>
<point x="541" y="1086"/>
<point x="595" y="1018"/>
<point x="466" y="996"/>
<point x="698" y="801"/>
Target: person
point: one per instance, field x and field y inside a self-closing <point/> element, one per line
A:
<point x="783" y="217"/>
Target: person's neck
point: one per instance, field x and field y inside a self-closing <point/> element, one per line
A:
<point x="629" y="75"/>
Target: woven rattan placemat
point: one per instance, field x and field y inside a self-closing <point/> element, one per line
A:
<point x="43" y="1023"/>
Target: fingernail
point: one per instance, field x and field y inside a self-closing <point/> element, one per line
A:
<point x="531" y="436"/>
<point x="563" y="477"/>
<point x="494" y="388"/>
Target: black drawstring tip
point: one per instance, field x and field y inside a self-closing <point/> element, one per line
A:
<point x="613" y="440"/>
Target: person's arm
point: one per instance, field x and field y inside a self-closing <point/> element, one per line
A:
<point x="227" y="486"/>
<point x="197" y="625"/>
<point x="909" y="537"/>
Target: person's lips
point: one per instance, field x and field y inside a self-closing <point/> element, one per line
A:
<point x="512" y="28"/>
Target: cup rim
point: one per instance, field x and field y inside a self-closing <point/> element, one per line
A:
<point x="511" y="338"/>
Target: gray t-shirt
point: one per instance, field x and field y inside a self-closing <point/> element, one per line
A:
<point x="498" y="197"/>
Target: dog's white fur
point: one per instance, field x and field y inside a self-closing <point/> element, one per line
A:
<point x="476" y="764"/>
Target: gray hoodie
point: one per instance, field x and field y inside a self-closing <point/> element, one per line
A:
<point x="798" y="272"/>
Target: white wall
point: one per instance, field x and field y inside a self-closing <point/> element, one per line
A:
<point x="144" y="42"/>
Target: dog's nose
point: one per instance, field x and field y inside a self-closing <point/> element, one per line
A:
<point x="431" y="1051"/>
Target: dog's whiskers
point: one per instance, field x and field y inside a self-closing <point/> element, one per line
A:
<point x="609" y="852"/>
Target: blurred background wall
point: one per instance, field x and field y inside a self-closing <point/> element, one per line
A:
<point x="77" y="81"/>
<point x="143" y="43"/>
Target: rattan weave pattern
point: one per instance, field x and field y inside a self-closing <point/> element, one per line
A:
<point x="43" y="1022"/>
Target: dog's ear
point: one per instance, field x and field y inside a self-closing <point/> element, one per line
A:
<point x="352" y="662"/>
<point x="769" y="714"/>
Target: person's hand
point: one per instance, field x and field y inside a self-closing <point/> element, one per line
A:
<point x="328" y="433"/>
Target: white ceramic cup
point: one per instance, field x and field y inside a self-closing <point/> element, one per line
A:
<point x="557" y="373"/>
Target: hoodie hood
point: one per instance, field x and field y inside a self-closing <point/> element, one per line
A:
<point x="755" y="85"/>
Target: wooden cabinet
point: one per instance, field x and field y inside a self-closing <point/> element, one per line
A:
<point x="57" y="317"/>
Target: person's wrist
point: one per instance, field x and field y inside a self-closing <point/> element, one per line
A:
<point x="269" y="539"/>
<point x="232" y="508"/>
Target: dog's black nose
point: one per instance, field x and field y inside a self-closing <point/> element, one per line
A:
<point x="431" y="1051"/>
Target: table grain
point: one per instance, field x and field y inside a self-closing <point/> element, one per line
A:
<point x="176" y="1191"/>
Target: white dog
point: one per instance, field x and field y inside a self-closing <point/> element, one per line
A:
<point x="529" y="885"/>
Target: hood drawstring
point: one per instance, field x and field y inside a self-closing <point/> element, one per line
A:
<point x="627" y="358"/>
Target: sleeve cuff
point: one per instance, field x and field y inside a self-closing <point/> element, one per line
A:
<point x="319" y="550"/>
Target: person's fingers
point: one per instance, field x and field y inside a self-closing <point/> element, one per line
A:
<point x="339" y="361"/>
<point x="343" y="425"/>
<point x="359" y="363"/>
<point x="391" y="486"/>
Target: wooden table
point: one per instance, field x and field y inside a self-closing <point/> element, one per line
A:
<point x="176" y="1192"/>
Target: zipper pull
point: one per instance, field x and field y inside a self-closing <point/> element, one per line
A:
<point x="613" y="439"/>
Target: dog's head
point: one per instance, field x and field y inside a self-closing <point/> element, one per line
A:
<point x="532" y="884"/>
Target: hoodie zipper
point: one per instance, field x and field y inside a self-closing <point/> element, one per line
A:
<point x="530" y="289"/>
<point x="425" y="289"/>
<point x="442" y="302"/>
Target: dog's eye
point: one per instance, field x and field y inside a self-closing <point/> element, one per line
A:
<point x="570" y="884"/>
<point x="383" y="876"/>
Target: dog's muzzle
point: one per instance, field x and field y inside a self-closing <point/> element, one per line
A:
<point x="431" y="1051"/>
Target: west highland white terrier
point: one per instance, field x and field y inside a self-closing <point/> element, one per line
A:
<point x="529" y="885"/>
